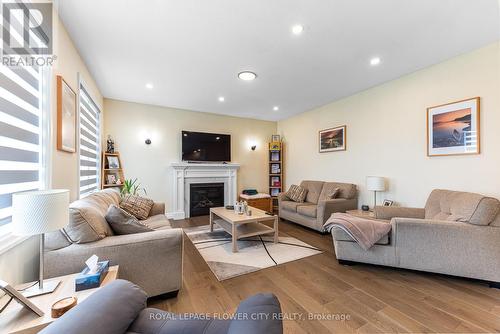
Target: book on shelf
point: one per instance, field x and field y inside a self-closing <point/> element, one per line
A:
<point x="275" y="192"/>
<point x="275" y="181"/>
<point x="275" y="156"/>
<point x="275" y="169"/>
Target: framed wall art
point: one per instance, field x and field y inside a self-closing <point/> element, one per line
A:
<point x="66" y="117"/>
<point x="453" y="128"/>
<point x="333" y="139"/>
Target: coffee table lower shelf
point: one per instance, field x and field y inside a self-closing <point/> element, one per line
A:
<point x="239" y="226"/>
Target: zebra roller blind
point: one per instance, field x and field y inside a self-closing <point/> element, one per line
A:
<point x="20" y="134"/>
<point x="89" y="143"/>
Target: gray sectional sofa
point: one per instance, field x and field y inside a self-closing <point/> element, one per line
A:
<point x="120" y="308"/>
<point x="152" y="260"/>
<point x="317" y="208"/>
<point x="457" y="233"/>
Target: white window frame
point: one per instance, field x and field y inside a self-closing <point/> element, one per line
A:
<point x="81" y="82"/>
<point x="7" y="239"/>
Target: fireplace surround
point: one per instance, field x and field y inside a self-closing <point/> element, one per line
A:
<point x="184" y="174"/>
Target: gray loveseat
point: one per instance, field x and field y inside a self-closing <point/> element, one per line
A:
<point x="120" y="307"/>
<point x="152" y="260"/>
<point x="457" y="233"/>
<point x="317" y="208"/>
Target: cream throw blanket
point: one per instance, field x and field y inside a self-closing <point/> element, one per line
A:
<point x="366" y="232"/>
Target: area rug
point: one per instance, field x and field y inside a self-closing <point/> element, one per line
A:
<point x="254" y="253"/>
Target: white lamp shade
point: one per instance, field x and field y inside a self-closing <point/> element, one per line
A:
<point x="375" y="183"/>
<point x="37" y="212"/>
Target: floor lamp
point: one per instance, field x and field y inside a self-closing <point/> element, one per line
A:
<point x="37" y="213"/>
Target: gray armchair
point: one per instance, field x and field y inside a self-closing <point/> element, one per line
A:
<point x="318" y="207"/>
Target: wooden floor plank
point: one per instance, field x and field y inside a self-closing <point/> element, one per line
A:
<point x="377" y="299"/>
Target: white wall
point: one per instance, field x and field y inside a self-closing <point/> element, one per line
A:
<point x="386" y="133"/>
<point x="130" y="123"/>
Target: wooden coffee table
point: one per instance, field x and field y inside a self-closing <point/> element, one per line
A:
<point x="243" y="226"/>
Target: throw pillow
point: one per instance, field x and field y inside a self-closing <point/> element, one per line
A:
<point x="297" y="193"/>
<point x="334" y="193"/>
<point x="124" y="223"/>
<point x="137" y="206"/>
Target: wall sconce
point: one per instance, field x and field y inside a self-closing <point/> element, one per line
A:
<point x="253" y="147"/>
<point x="148" y="141"/>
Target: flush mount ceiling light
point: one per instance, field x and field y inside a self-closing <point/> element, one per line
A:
<point x="247" y="75"/>
<point x="221" y="99"/>
<point x="375" y="61"/>
<point x="297" y="29"/>
<point x="149" y="86"/>
<point x="276" y="108"/>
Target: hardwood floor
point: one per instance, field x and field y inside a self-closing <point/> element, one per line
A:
<point x="375" y="299"/>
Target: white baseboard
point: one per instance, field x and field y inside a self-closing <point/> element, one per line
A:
<point x="176" y="215"/>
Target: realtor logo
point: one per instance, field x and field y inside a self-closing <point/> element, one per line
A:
<point x="27" y="28"/>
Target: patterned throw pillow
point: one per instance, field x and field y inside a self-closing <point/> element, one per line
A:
<point x="137" y="206"/>
<point x="297" y="193"/>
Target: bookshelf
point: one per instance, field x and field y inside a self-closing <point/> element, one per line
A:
<point x="276" y="178"/>
<point x="111" y="169"/>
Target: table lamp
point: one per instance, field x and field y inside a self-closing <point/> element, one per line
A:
<point x="375" y="183"/>
<point x="37" y="213"/>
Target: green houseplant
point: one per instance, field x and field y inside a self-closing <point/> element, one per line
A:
<point x="132" y="187"/>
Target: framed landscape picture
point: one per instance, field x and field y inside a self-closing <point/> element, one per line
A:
<point x="66" y="117"/>
<point x="453" y="128"/>
<point x="333" y="139"/>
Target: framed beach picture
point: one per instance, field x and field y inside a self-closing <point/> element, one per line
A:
<point x="453" y="128"/>
<point x="66" y="117"/>
<point x="333" y="139"/>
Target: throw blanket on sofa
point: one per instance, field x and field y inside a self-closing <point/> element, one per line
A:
<point x="366" y="232"/>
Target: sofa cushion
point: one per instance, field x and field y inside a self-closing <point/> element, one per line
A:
<point x="461" y="206"/>
<point x="56" y="240"/>
<point x="341" y="235"/>
<point x="123" y="222"/>
<point x="297" y="193"/>
<point x="290" y="205"/>
<point x="157" y="222"/>
<point x="346" y="190"/>
<point x="309" y="210"/>
<point x="86" y="217"/>
<point x="314" y="189"/>
<point x="137" y="206"/>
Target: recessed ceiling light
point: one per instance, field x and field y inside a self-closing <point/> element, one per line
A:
<point x="217" y="138"/>
<point x="375" y="61"/>
<point x="149" y="86"/>
<point x="297" y="29"/>
<point x="221" y="99"/>
<point x="276" y="108"/>
<point x="247" y="75"/>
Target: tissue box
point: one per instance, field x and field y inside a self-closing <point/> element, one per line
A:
<point x="86" y="280"/>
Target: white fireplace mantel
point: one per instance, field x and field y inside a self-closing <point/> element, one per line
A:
<point x="184" y="174"/>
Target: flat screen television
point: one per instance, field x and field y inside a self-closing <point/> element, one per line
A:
<point x="209" y="147"/>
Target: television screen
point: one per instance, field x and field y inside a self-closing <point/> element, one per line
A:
<point x="200" y="146"/>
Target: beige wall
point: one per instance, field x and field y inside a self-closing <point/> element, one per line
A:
<point x="130" y="123"/>
<point x="20" y="264"/>
<point x="386" y="133"/>
<point x="68" y="65"/>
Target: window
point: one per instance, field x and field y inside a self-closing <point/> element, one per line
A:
<point x="22" y="131"/>
<point x="90" y="143"/>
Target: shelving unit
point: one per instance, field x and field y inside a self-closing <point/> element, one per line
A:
<point x="276" y="173"/>
<point x="110" y="170"/>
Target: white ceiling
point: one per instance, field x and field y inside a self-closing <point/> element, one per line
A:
<point x="192" y="50"/>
